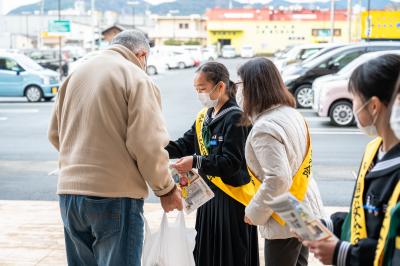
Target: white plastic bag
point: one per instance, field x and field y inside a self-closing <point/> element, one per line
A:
<point x="172" y="245"/>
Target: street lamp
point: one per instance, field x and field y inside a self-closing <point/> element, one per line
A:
<point x="133" y="4"/>
<point x="173" y="13"/>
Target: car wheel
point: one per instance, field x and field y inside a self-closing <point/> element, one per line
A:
<point x="34" y="94"/>
<point x="181" y="65"/>
<point x="341" y="114"/>
<point x="48" y="99"/>
<point x="151" y="70"/>
<point x="304" y="96"/>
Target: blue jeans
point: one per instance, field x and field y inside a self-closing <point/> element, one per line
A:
<point x="102" y="231"/>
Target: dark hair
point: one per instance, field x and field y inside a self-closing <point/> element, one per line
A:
<point x="216" y="72"/>
<point x="376" y="77"/>
<point x="263" y="87"/>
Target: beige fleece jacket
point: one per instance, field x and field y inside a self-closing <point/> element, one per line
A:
<point x="275" y="149"/>
<point x="109" y="130"/>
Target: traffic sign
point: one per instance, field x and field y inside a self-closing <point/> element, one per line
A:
<point x="59" y="26"/>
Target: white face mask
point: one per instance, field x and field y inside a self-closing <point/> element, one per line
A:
<point x="369" y="130"/>
<point x="206" y="101"/>
<point x="395" y="120"/>
<point x="239" y="97"/>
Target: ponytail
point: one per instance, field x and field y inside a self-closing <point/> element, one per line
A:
<point x="231" y="89"/>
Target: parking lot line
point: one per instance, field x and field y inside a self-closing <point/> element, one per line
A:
<point x="335" y="132"/>
<point x="18" y="111"/>
<point x="319" y="119"/>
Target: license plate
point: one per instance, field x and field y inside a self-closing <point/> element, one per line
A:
<point x="54" y="90"/>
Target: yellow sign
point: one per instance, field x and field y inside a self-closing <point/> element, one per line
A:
<point x="381" y="24"/>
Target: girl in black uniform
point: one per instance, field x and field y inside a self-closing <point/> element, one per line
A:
<point x="363" y="230"/>
<point x="223" y="239"/>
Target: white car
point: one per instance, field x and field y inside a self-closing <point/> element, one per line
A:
<point x="209" y="53"/>
<point x="175" y="57"/>
<point x="156" y="65"/>
<point x="247" y="51"/>
<point x="228" y="51"/>
<point x="298" y="53"/>
<point x="331" y="96"/>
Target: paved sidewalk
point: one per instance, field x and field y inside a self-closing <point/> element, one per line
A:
<point x="31" y="232"/>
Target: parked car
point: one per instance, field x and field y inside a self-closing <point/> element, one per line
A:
<point x="228" y="51"/>
<point x="331" y="95"/>
<point x="174" y="56"/>
<point x="20" y="76"/>
<point x="195" y="52"/>
<point x="209" y="53"/>
<point x="50" y="59"/>
<point x="321" y="52"/>
<point x="154" y="65"/>
<point x="247" y="51"/>
<point x="299" y="79"/>
<point x="297" y="54"/>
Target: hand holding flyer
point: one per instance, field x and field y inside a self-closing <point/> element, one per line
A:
<point x="299" y="218"/>
<point x="195" y="191"/>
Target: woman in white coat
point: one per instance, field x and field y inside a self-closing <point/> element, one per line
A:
<point x="278" y="152"/>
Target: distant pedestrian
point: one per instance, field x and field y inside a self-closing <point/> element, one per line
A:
<point x="108" y="128"/>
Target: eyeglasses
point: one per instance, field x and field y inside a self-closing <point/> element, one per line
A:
<point x="238" y="84"/>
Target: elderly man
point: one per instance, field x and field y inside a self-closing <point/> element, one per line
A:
<point x="108" y="128"/>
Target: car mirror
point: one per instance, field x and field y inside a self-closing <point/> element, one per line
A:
<point x="18" y="70"/>
<point x="334" y="65"/>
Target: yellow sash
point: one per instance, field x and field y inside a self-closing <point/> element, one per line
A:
<point x="358" y="229"/>
<point x="386" y="225"/>
<point x="245" y="193"/>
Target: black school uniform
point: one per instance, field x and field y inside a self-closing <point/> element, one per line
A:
<point x="223" y="239"/>
<point x="379" y="186"/>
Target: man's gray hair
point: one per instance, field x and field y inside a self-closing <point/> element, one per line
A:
<point x="134" y="40"/>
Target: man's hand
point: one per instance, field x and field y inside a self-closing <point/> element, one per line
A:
<point x="172" y="201"/>
<point x="184" y="164"/>
<point x="323" y="249"/>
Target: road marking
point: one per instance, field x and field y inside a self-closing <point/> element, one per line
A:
<point x="306" y="110"/>
<point x="19" y="111"/>
<point x="319" y="119"/>
<point x="3" y="118"/>
<point x="335" y="132"/>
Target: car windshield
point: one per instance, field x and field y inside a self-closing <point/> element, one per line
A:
<point x="322" y="58"/>
<point x="28" y="63"/>
<point x="347" y="70"/>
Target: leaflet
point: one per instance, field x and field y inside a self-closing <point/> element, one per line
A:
<point x="195" y="191"/>
<point x="299" y="218"/>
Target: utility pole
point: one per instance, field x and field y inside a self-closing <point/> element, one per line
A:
<point x="59" y="44"/>
<point x="332" y="20"/>
<point x="369" y="21"/>
<point x="93" y="25"/>
<point x="133" y="4"/>
<point x="349" y="17"/>
<point x="173" y="13"/>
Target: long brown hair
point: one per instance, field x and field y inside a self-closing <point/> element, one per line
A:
<point x="263" y="87"/>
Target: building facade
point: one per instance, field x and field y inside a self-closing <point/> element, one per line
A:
<point x="270" y="30"/>
<point x="179" y="28"/>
